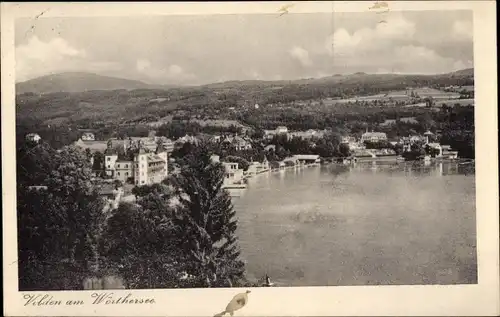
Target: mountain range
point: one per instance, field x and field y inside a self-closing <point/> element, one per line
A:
<point x="81" y="81"/>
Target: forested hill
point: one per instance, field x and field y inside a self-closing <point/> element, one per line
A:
<point x="216" y="100"/>
<point x="78" y="82"/>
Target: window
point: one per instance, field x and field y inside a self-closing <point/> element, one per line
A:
<point x="109" y="166"/>
<point x="126" y="173"/>
<point x="142" y="182"/>
<point x="118" y="173"/>
<point x="118" y="165"/>
<point x="109" y="158"/>
<point x="126" y="165"/>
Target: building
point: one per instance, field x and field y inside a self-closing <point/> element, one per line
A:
<point x="258" y="167"/>
<point x="448" y="153"/>
<point x="238" y="143"/>
<point x="436" y="147"/>
<point x="309" y="134"/>
<point x="428" y="135"/>
<point x="234" y="175"/>
<point x="186" y="139"/>
<point x="101" y="146"/>
<point x="281" y="130"/>
<point x="407" y="142"/>
<point x="137" y="165"/>
<point x="88" y="136"/>
<point x="270" y="147"/>
<point x="112" y="195"/>
<point x="306" y="158"/>
<point x="348" y="139"/>
<point x="373" y="137"/>
<point x="351" y="142"/>
<point x="33" y="137"/>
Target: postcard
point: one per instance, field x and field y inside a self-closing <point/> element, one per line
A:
<point x="250" y="159"/>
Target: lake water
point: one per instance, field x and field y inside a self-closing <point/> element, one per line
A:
<point x="369" y="224"/>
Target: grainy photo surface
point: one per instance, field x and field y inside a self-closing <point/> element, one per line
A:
<point x="263" y="150"/>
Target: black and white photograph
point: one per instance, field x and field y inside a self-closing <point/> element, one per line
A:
<point x="267" y="150"/>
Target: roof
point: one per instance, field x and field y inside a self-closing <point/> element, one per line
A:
<point x="155" y="158"/>
<point x="160" y="148"/>
<point x="124" y="160"/>
<point x="376" y="134"/>
<point x="306" y="156"/>
<point x="432" y="144"/>
<point x="110" y="151"/>
<point x="37" y="187"/>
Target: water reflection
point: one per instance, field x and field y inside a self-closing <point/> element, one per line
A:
<point x="383" y="223"/>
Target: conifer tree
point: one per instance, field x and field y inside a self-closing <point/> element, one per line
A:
<point x="207" y="220"/>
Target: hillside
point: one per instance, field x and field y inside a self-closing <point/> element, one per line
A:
<point x="356" y="78"/>
<point x="77" y="82"/>
<point x="118" y="100"/>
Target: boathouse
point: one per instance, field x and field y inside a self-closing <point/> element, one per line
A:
<point x="307" y="158"/>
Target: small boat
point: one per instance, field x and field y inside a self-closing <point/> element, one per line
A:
<point x="234" y="186"/>
<point x="268" y="282"/>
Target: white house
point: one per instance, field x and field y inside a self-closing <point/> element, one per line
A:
<point x="234" y="175"/>
<point x="281" y="130"/>
<point x="142" y="166"/>
<point x="436" y="146"/>
<point x="87" y="136"/>
<point x="373" y="137"/>
<point x="258" y="167"/>
<point x="33" y="137"/>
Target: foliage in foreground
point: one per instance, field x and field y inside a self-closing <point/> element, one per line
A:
<point x="59" y="225"/>
<point x="65" y="236"/>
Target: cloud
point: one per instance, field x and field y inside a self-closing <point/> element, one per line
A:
<point x="37" y="58"/>
<point x="252" y="74"/>
<point x="391" y="47"/>
<point x="142" y="65"/>
<point x="341" y="42"/>
<point x="146" y="68"/>
<point x="301" y="55"/>
<point x="175" y="70"/>
<point x="420" y="57"/>
<point x="462" y="30"/>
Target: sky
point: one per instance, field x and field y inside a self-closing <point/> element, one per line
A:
<point x="200" y="49"/>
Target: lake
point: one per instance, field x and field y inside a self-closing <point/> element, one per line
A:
<point x="369" y="224"/>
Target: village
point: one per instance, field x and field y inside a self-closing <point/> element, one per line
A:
<point x="139" y="161"/>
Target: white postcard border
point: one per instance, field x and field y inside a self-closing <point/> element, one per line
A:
<point x="481" y="299"/>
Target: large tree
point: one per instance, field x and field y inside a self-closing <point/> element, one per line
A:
<point x="207" y="219"/>
<point x="59" y="221"/>
<point x="140" y="244"/>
